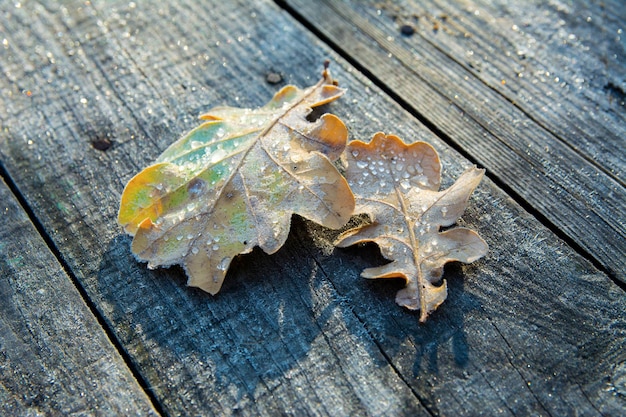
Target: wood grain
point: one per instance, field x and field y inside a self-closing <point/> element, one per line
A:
<point x="55" y="357"/>
<point x="557" y="148"/>
<point x="532" y="328"/>
<point x="560" y="63"/>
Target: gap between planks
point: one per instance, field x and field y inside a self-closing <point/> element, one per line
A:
<point x="14" y="189"/>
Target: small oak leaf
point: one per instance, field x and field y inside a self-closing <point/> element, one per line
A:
<point x="234" y="182"/>
<point x="397" y="185"/>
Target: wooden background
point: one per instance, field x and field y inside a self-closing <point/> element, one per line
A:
<point x="91" y="92"/>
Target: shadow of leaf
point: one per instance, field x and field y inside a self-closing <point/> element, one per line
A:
<point x="196" y="350"/>
<point x="396" y="330"/>
<point x="287" y="331"/>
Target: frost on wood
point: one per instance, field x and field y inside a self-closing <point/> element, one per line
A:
<point x="234" y="182"/>
<point x="397" y="186"/>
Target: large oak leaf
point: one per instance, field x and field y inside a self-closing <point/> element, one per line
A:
<point x="234" y="182"/>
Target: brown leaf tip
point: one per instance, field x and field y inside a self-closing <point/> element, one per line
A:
<point x="408" y="164"/>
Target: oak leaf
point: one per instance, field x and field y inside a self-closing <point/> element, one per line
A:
<point x="234" y="182"/>
<point x="397" y="185"/>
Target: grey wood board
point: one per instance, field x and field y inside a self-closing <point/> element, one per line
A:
<point x="561" y="62"/>
<point x="585" y="199"/>
<point x="55" y="358"/>
<point x="296" y="332"/>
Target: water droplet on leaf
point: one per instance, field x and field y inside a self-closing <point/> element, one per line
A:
<point x="223" y="265"/>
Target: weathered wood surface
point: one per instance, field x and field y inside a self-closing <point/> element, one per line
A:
<point x="54" y="356"/>
<point x="531" y="329"/>
<point x="532" y="91"/>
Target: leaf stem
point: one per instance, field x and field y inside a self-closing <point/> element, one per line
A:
<point x="415" y="249"/>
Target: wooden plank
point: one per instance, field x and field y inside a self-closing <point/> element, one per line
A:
<point x="55" y="357"/>
<point x="554" y="147"/>
<point x="561" y="62"/>
<point x="297" y="332"/>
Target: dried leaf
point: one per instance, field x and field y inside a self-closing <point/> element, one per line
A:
<point x="397" y="186"/>
<point x="234" y="182"/>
